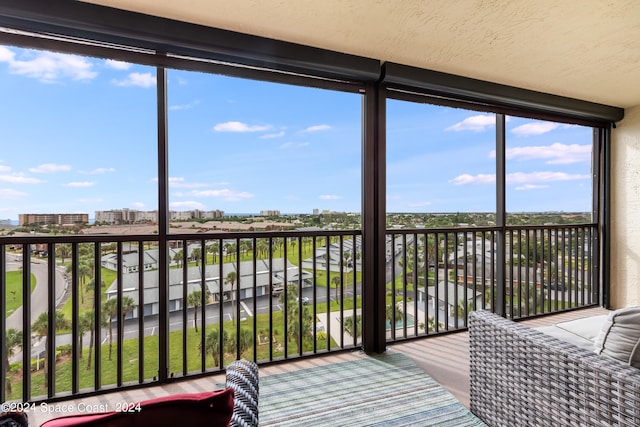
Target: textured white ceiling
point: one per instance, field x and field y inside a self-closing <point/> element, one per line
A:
<point x="585" y="49"/>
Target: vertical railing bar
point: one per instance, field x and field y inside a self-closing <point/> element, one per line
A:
<point x="255" y="299"/>
<point x="3" y="319"/>
<point x="26" y="321"/>
<point x="573" y="270"/>
<point x="204" y="291"/>
<point x="141" y="338"/>
<point x="237" y="298"/>
<point x="75" y="317"/>
<point x="98" y="316"/>
<point x="51" y="333"/>
<point x="392" y="319"/>
<point x="341" y="268"/>
<point x="436" y="268"/>
<point x="492" y="289"/>
<point x="474" y="276"/>
<point x="512" y="311"/>
<point x="286" y="298"/>
<point x="300" y="307"/>
<point x="535" y="272"/>
<point x="436" y="293"/>
<point x="588" y="277"/>
<point x="519" y="276"/>
<point x="583" y="258"/>
<point x="220" y="309"/>
<point x="119" y="316"/>
<point x="483" y="274"/>
<point x="455" y="281"/>
<point x="465" y="282"/>
<point x="327" y="266"/>
<point x="416" y="281"/>
<point x="270" y="262"/>
<point x="556" y="244"/>
<point x="185" y="307"/>
<point x="354" y="270"/>
<point x="404" y="286"/>
<point x="315" y="295"/>
<point x="527" y="291"/>
<point x="566" y="284"/>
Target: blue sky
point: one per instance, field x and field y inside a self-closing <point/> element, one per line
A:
<point x="79" y="135"/>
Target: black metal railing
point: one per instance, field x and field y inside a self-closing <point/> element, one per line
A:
<point x="266" y="296"/>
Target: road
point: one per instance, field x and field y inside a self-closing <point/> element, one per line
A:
<point x="39" y="296"/>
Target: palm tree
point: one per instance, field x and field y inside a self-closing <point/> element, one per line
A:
<point x="85" y="324"/>
<point x="231" y="280"/>
<point x="63" y="250"/>
<point x="336" y="281"/>
<point x="194" y="299"/>
<point x="212" y="345"/>
<point x="196" y="254"/>
<point x="88" y="320"/>
<point x="110" y="309"/>
<point x="41" y="330"/>
<point x="13" y="340"/>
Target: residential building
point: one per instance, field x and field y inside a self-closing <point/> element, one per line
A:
<point x="62" y="219"/>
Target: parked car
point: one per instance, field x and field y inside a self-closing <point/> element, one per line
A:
<point x="555" y="287"/>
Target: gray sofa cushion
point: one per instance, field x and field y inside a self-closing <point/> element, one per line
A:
<point x="620" y="336"/>
<point x="579" y="332"/>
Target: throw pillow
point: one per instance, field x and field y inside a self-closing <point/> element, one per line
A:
<point x="211" y="409"/>
<point x="620" y="336"/>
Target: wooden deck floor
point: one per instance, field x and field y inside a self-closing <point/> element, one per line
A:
<point x="445" y="358"/>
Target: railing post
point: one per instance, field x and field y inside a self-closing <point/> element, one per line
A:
<point x="163" y="226"/>
<point x="501" y="298"/>
<point x="373" y="220"/>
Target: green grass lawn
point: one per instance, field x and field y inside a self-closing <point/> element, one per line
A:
<point x="14" y="290"/>
<point x="151" y="345"/>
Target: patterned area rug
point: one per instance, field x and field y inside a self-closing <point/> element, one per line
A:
<point x="385" y="390"/>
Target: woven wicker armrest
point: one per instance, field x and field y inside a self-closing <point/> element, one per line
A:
<point x="242" y="377"/>
<point x="522" y="377"/>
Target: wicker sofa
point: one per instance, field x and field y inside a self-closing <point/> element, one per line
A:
<point x="522" y="377"/>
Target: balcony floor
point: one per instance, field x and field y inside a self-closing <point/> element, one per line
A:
<point x="445" y="358"/>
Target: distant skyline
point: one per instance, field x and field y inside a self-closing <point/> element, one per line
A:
<point x="79" y="135"/>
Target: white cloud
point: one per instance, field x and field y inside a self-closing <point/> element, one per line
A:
<point x="98" y="171"/>
<point x="179" y="182"/>
<point x="329" y="197"/>
<point x="48" y="67"/>
<point x="518" y="178"/>
<point x="145" y="80"/>
<point x="466" y="179"/>
<point x="189" y="204"/>
<point x="531" y="187"/>
<point x="317" y="128"/>
<point x="240" y="127"/>
<point x="225" y="194"/>
<point x="18" y="178"/>
<point x="4" y="168"/>
<point x="474" y="123"/>
<point x="527" y="178"/>
<point x="273" y="135"/>
<point x="81" y="184"/>
<point x="6" y="193"/>
<point x="6" y="54"/>
<point x="50" y="168"/>
<point x="556" y="153"/>
<point x="137" y="205"/>
<point x="534" y="128"/>
<point x="117" y="65"/>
